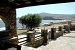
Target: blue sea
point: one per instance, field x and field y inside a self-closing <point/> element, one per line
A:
<point x="18" y="25"/>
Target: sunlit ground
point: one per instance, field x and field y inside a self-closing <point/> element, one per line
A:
<point x="21" y="31"/>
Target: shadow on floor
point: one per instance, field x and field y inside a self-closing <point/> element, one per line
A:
<point x="69" y="36"/>
<point x="73" y="31"/>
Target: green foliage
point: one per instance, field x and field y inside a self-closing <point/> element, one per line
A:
<point x="21" y="20"/>
<point x="31" y="20"/>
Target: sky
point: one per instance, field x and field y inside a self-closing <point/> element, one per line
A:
<point x="61" y="8"/>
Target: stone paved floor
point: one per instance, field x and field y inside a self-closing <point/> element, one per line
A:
<point x="65" y="42"/>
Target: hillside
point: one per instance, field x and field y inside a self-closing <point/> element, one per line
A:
<point x="49" y="18"/>
<point x="58" y="16"/>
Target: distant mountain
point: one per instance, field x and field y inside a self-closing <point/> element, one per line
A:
<point x="57" y="16"/>
<point x="49" y="18"/>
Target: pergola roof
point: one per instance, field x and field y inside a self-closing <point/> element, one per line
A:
<point x="24" y="3"/>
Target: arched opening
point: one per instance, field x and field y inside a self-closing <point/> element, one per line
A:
<point x="3" y="31"/>
<point x="2" y="25"/>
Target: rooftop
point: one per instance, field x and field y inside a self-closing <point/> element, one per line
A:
<point x="24" y="3"/>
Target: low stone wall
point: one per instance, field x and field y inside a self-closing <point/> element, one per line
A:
<point x="72" y="27"/>
<point x="38" y="42"/>
<point x="67" y="29"/>
<point x="34" y="41"/>
<point x="58" y="34"/>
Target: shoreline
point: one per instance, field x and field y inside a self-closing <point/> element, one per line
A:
<point x="55" y="25"/>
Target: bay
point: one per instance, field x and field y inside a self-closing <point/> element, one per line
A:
<point x="18" y="25"/>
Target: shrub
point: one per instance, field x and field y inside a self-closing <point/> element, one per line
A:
<point x="31" y="20"/>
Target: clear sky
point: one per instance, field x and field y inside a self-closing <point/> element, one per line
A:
<point x="61" y="8"/>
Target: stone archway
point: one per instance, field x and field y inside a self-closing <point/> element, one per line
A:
<point x="2" y="25"/>
<point x="8" y="15"/>
<point x="5" y="21"/>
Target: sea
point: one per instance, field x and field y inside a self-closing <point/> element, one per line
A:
<point x="18" y="25"/>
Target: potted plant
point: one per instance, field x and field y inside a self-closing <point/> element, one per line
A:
<point x="31" y="21"/>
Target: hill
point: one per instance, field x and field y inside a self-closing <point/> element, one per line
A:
<point x="49" y="16"/>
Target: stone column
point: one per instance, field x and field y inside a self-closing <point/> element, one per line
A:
<point x="8" y="15"/>
<point x="70" y="25"/>
<point x="53" y="31"/>
<point x="31" y="38"/>
<point x="61" y="31"/>
<point x="44" y="35"/>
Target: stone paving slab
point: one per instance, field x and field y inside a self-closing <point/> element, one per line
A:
<point x="65" y="42"/>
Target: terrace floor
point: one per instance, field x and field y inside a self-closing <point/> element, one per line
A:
<point x="65" y="42"/>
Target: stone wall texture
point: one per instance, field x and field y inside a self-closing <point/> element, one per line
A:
<point x="8" y="15"/>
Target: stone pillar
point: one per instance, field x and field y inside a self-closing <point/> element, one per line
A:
<point x="44" y="35"/>
<point x="8" y="15"/>
<point x="49" y="34"/>
<point x="53" y="31"/>
<point x="60" y="28"/>
<point x="31" y="38"/>
<point x="70" y="25"/>
<point x="61" y="31"/>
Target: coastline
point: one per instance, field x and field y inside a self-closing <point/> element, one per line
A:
<point x="38" y="29"/>
<point x="55" y="25"/>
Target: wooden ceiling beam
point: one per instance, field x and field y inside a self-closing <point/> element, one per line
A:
<point x="34" y="3"/>
<point x="24" y="3"/>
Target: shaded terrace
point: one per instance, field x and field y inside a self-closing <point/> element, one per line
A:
<point x="8" y="15"/>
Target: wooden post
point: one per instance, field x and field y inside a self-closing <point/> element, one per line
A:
<point x="53" y="31"/>
<point x="31" y="38"/>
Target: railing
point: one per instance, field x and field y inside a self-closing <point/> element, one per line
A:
<point x="37" y="37"/>
<point x="22" y="40"/>
<point x="38" y="40"/>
